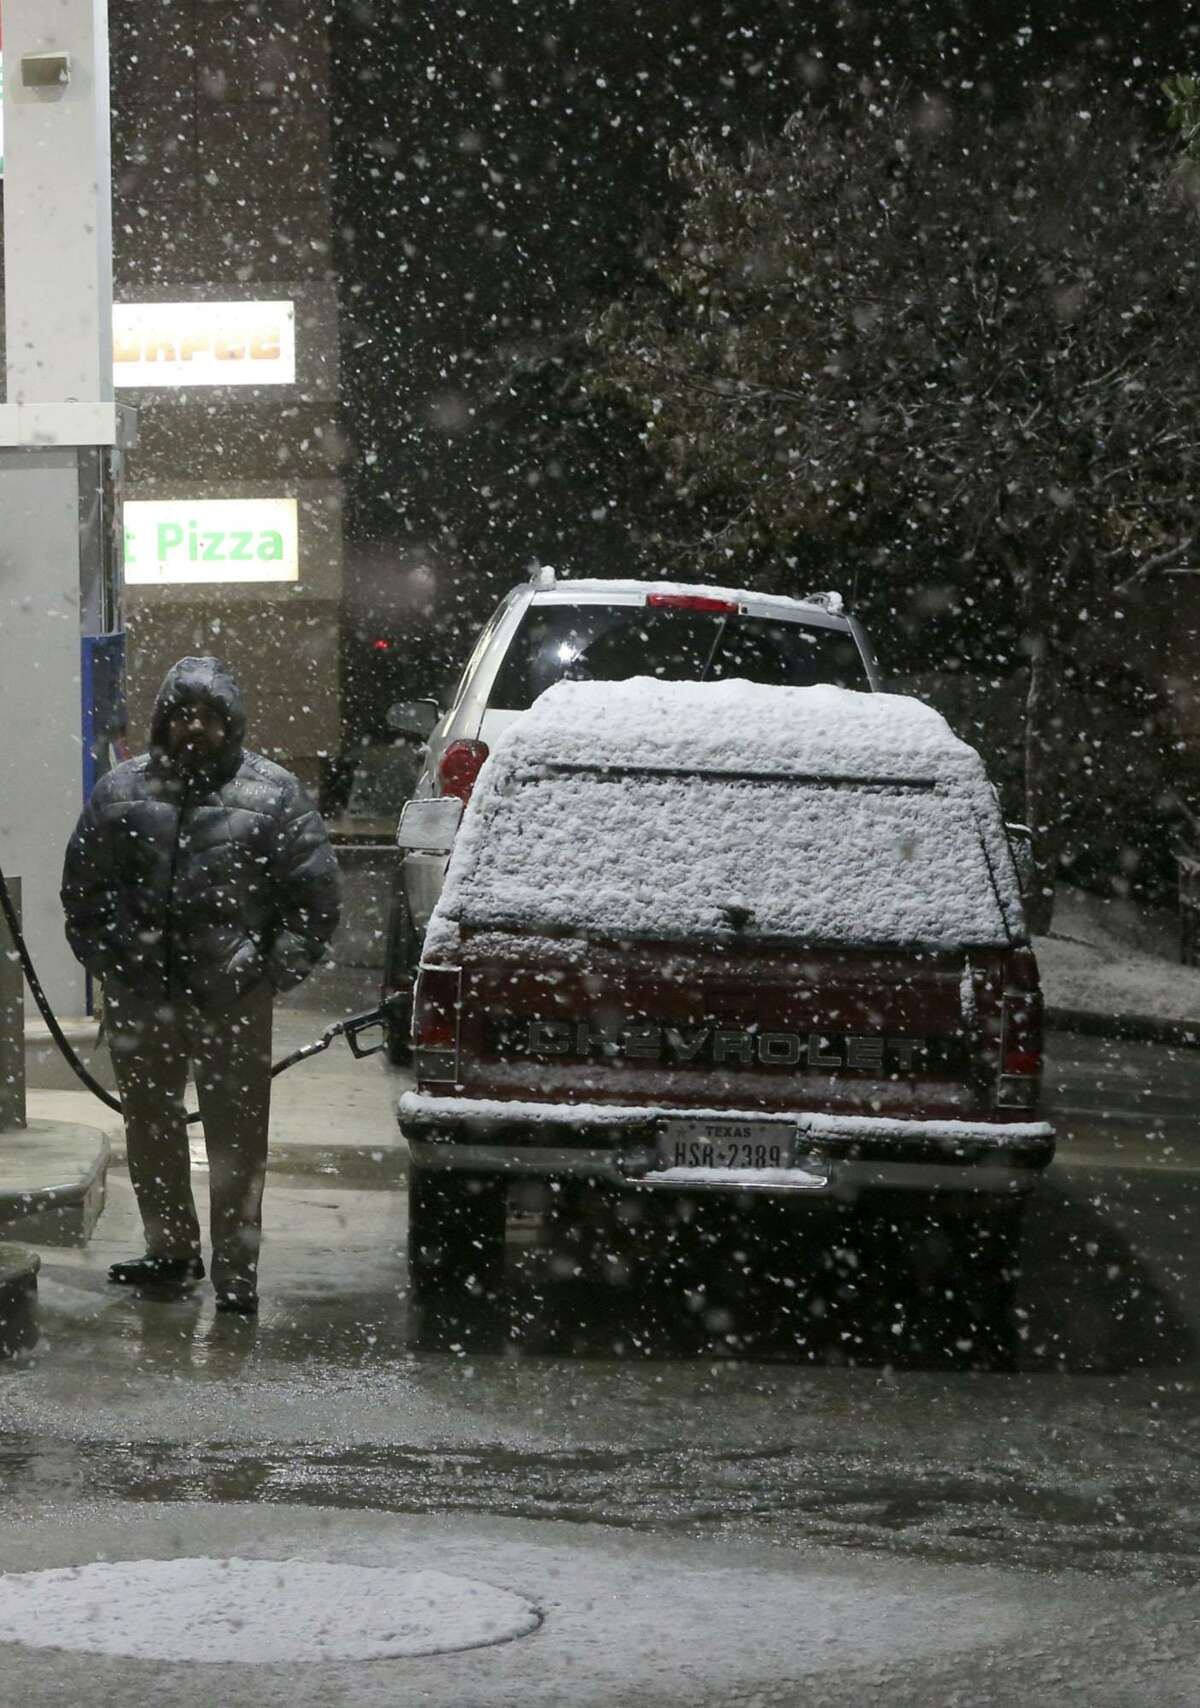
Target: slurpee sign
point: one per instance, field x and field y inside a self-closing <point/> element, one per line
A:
<point x="204" y="344"/>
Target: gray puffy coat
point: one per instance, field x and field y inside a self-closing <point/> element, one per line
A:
<point x="200" y="885"/>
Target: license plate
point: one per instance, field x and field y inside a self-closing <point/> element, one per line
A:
<point x="726" y="1144"/>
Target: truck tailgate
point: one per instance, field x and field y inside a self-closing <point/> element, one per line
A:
<point x="856" y="1031"/>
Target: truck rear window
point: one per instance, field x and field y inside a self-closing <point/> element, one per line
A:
<point x="665" y="855"/>
<point x="610" y="643"/>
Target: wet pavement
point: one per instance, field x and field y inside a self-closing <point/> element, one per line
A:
<point x="634" y="1420"/>
<point x="562" y="1406"/>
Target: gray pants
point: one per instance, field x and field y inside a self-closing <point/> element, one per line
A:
<point x="152" y="1043"/>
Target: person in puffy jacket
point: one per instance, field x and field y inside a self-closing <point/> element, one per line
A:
<point x="198" y="884"/>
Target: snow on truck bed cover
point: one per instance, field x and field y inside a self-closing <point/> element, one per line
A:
<point x="738" y="726"/>
<point x="649" y="809"/>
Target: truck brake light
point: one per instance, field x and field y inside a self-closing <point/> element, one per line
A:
<point x="1020" y="1076"/>
<point x="459" y="767"/>
<point x="1022" y="1061"/>
<point x="437" y="1011"/>
<point x="692" y="602"/>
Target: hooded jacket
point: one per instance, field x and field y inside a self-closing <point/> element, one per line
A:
<point x="200" y="884"/>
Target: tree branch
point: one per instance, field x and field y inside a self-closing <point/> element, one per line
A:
<point x="1152" y="565"/>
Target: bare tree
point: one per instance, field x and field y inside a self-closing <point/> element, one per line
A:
<point x="947" y="347"/>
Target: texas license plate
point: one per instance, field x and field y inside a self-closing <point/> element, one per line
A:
<point x="726" y="1144"/>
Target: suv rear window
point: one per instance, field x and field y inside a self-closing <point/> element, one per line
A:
<point x="610" y="643"/>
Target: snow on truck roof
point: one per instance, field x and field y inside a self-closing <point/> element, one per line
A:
<point x="740" y="727"/>
<point x="682" y="810"/>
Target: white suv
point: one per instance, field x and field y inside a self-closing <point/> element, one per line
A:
<point x="548" y="631"/>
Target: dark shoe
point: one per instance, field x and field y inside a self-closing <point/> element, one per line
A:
<point x="242" y="1304"/>
<point x="156" y="1271"/>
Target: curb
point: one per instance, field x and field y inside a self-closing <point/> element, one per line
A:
<point x="1125" y="1028"/>
<point x="18" y="1299"/>
<point x="354" y="1165"/>
<point x="63" y="1214"/>
<point x="369" y="1166"/>
<point x="45" y="1067"/>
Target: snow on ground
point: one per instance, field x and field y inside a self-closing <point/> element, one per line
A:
<point x="629" y="1616"/>
<point x="256" y="1611"/>
<point x="1112" y="957"/>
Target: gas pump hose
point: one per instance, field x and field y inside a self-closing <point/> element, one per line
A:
<point x="348" y="1028"/>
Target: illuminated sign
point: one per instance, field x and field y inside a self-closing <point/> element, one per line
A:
<point x="211" y="539"/>
<point x="204" y="343"/>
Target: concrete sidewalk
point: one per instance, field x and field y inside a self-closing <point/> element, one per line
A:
<point x="331" y="1114"/>
<point x="1111" y="969"/>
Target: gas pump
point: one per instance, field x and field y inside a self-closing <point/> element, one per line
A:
<point x="102" y="643"/>
<point x="102" y="680"/>
<point x="103" y="715"/>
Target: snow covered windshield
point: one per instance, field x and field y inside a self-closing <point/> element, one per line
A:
<point x="609" y="643"/>
<point x="607" y="853"/>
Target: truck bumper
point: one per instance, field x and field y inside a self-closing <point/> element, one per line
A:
<point x="837" y="1157"/>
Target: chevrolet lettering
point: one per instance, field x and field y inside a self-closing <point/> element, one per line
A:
<point x="727" y="1046"/>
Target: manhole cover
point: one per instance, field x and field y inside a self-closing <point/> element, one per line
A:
<point x="256" y="1611"/>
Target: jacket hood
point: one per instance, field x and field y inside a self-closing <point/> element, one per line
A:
<point x="208" y="680"/>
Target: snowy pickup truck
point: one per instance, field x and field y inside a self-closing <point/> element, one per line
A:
<point x="722" y="938"/>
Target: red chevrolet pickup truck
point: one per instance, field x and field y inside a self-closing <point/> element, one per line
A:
<point x="706" y="938"/>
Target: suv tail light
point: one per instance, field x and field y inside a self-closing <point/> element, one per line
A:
<point x="459" y="767"/>
<point x="692" y="602"/>
<point x="1020" y="1077"/>
<point x="437" y="1010"/>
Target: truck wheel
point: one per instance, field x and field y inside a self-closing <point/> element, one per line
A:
<point x="455" y="1234"/>
<point x="989" y="1272"/>
<point x="956" y="1272"/>
<point x="401" y="957"/>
